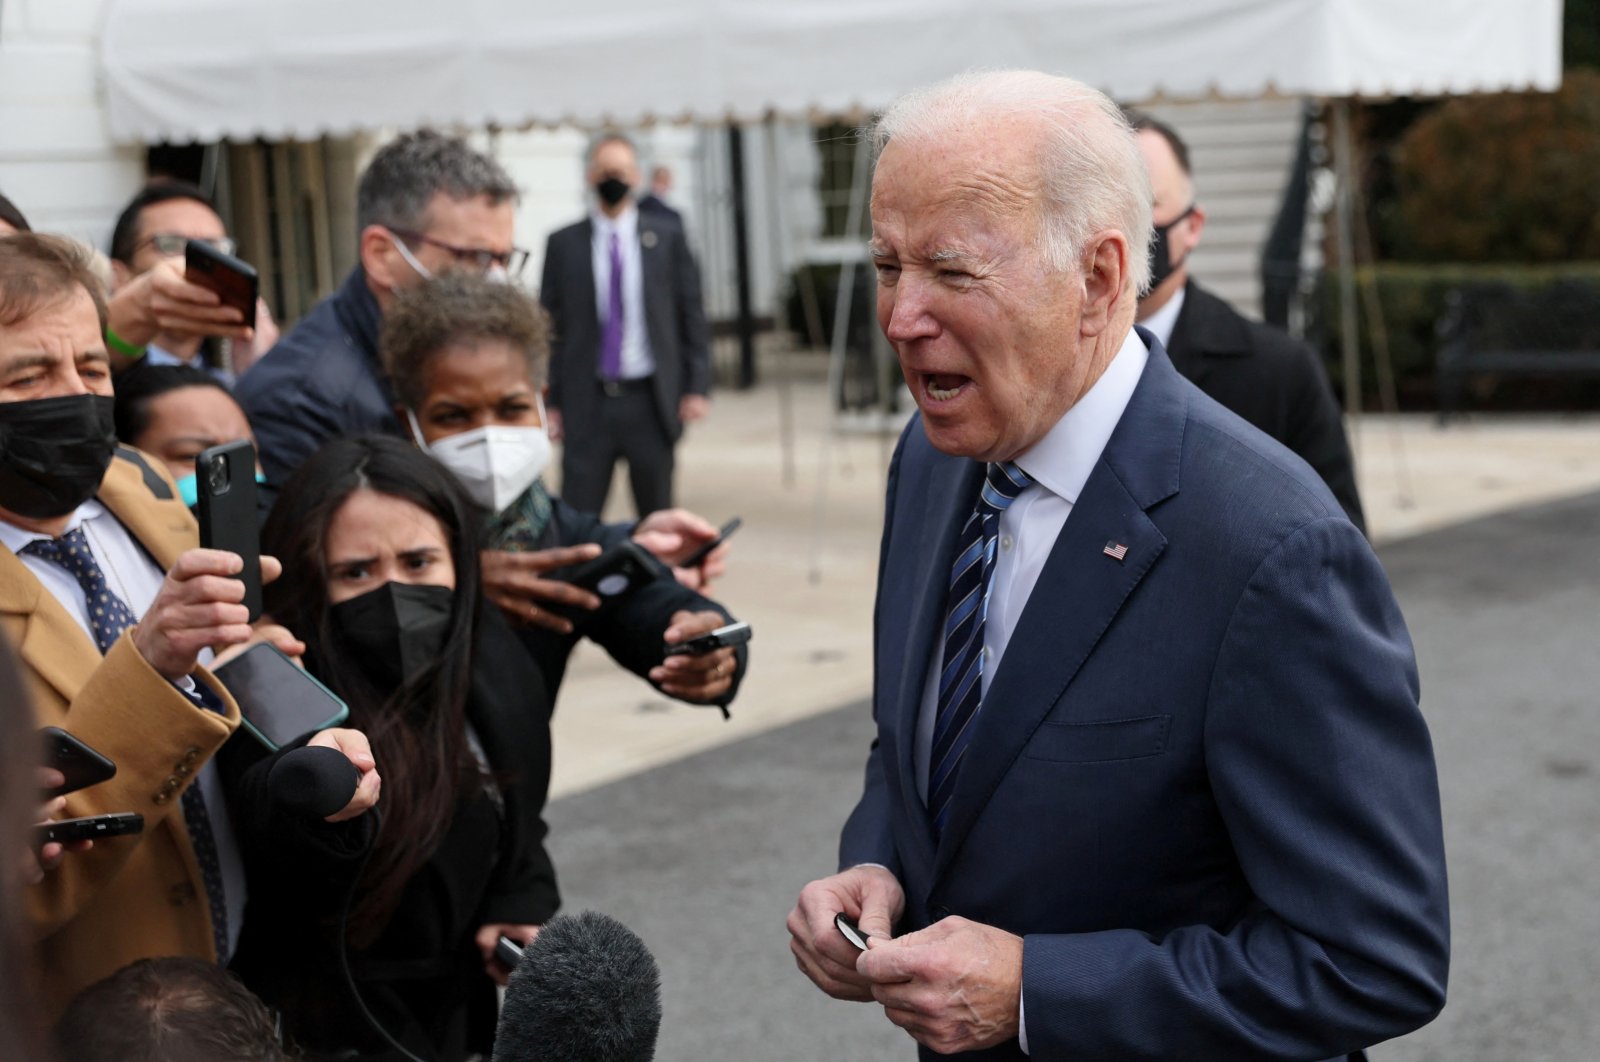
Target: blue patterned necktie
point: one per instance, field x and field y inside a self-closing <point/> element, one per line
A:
<point x="109" y="616"/>
<point x="961" y="668"/>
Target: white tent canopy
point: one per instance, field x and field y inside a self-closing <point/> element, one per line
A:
<point x="204" y="70"/>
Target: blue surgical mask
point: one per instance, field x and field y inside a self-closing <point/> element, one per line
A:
<point x="189" y="488"/>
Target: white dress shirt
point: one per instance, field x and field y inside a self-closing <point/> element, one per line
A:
<point x="136" y="578"/>
<point x="1164" y="320"/>
<point x="1060" y="464"/>
<point x="638" y="361"/>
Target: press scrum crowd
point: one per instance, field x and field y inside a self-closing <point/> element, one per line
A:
<point x="293" y="611"/>
<point x="1151" y="778"/>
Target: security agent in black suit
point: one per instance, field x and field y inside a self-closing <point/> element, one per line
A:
<point x="1271" y="379"/>
<point x="623" y="392"/>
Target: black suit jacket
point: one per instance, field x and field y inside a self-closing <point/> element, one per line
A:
<point x="675" y="319"/>
<point x="1272" y="380"/>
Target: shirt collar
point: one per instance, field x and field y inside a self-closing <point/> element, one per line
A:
<point x="625" y="224"/>
<point x="1164" y="320"/>
<point x="1062" y="460"/>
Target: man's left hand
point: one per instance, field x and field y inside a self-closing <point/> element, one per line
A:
<point x="693" y="407"/>
<point x="955" y="986"/>
<point x="700" y="679"/>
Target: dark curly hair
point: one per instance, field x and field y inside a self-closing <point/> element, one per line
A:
<point x="459" y="307"/>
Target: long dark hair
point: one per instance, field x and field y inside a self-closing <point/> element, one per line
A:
<point x="418" y="730"/>
<point x="19" y="806"/>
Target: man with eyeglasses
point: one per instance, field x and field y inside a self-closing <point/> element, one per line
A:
<point x="158" y="316"/>
<point x="426" y="204"/>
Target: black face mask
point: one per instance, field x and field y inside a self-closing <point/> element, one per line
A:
<point x="1161" y="264"/>
<point x="54" y="452"/>
<point x="612" y="190"/>
<point x="396" y="630"/>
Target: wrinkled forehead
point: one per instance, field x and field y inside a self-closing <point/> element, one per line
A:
<point x="956" y="178"/>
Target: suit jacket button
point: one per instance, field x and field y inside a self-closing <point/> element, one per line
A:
<point x="162" y="797"/>
<point x="181" y="895"/>
<point x="191" y="754"/>
<point x="183" y="768"/>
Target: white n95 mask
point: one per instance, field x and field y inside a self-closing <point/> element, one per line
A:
<point x="495" y="463"/>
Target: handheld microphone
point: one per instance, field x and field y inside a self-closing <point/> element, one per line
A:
<point x="587" y="990"/>
<point x="313" y="781"/>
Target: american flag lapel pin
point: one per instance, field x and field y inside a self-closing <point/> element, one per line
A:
<point x="1117" y="551"/>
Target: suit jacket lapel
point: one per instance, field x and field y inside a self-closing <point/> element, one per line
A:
<point x="164" y="527"/>
<point x="50" y="642"/>
<point x="1181" y="348"/>
<point x="951" y="492"/>
<point x="584" y="291"/>
<point x="1079" y="592"/>
<point x="651" y="278"/>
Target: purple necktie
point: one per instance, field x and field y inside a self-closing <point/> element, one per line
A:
<point x="611" y="328"/>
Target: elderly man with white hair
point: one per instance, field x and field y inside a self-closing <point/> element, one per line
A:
<point x="1150" y="780"/>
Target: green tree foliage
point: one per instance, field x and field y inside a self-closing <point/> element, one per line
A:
<point x="1504" y="178"/>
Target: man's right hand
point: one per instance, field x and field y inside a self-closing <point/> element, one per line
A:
<point x="514" y="582"/>
<point x="200" y="604"/>
<point x="868" y="895"/>
<point x="162" y="301"/>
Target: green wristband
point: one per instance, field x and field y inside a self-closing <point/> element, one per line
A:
<point x="122" y="346"/>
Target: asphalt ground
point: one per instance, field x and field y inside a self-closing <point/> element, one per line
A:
<point x="703" y="857"/>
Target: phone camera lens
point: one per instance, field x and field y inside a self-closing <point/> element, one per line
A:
<point x="218" y="476"/>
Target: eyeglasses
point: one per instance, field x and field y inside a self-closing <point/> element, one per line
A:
<point x="171" y="244"/>
<point x="475" y="258"/>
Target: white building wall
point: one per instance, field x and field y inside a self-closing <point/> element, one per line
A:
<point x="57" y="161"/>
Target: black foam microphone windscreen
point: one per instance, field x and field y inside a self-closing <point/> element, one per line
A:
<point x="587" y="990"/>
<point x="314" y="781"/>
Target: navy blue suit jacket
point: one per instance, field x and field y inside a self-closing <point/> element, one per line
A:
<point x="1200" y="786"/>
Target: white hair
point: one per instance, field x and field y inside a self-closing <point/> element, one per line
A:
<point x="1094" y="177"/>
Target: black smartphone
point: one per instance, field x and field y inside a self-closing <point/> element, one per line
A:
<point x="81" y="765"/>
<point x="91" y="828"/>
<point x="613" y="575"/>
<point x="507" y="952"/>
<point x="278" y="701"/>
<point x="225" y="489"/>
<point x="698" y="557"/>
<point x="850" y="931"/>
<point x="232" y="279"/>
<point x="721" y="638"/>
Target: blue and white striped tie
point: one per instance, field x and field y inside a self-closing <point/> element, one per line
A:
<point x="961" y="668"/>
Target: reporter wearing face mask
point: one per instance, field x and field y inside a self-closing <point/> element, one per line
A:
<point x="467" y="358"/>
<point x="380" y="573"/>
<point x="174" y="413"/>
